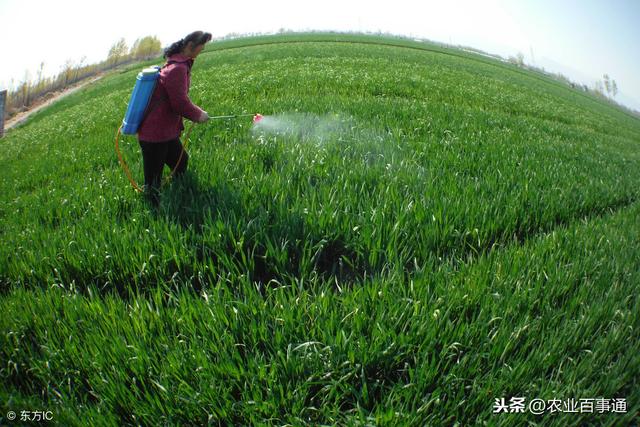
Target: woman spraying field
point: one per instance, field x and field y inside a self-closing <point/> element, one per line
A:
<point x="159" y="133"/>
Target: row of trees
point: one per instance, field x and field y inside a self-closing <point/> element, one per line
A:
<point x="144" y="48"/>
<point x="607" y="84"/>
<point x="28" y="91"/>
<point x="607" y="88"/>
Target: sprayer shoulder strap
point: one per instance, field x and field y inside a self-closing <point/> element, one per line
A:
<point x="152" y="107"/>
<point x="158" y="101"/>
<point x="161" y="99"/>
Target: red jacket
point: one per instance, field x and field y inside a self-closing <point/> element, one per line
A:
<point x="170" y="102"/>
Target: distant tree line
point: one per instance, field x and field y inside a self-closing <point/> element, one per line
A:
<point x="606" y="89"/>
<point x="27" y="92"/>
<point x="607" y="84"/>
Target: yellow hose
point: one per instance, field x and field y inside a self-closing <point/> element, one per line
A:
<point x="126" y="168"/>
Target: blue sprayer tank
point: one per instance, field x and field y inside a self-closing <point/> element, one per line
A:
<point x="140" y="97"/>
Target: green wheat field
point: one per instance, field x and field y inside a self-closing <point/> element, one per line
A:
<point x="413" y="233"/>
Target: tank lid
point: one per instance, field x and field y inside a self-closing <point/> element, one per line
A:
<point x="150" y="70"/>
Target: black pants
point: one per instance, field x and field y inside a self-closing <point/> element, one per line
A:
<point x="154" y="156"/>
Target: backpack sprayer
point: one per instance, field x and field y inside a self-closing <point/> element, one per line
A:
<point x="137" y="110"/>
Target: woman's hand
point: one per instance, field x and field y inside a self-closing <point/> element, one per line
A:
<point x="204" y="117"/>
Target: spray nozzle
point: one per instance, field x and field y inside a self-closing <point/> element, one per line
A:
<point x="257" y="118"/>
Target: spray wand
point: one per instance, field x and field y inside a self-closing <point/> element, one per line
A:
<point x="256" y="117"/>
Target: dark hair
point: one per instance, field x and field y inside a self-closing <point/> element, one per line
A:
<point x="197" y="38"/>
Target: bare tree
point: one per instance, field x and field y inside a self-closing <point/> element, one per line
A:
<point x="67" y="72"/>
<point x="79" y="67"/>
<point x="607" y="83"/>
<point x="599" y="89"/>
<point x="26" y="89"/>
<point x="40" y="72"/>
<point x="606" y="87"/>
<point x="517" y="60"/>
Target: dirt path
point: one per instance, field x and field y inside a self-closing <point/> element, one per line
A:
<point x="22" y="117"/>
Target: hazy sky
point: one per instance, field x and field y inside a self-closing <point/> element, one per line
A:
<point x="581" y="39"/>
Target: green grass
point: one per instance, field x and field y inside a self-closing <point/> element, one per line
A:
<point x="436" y="230"/>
